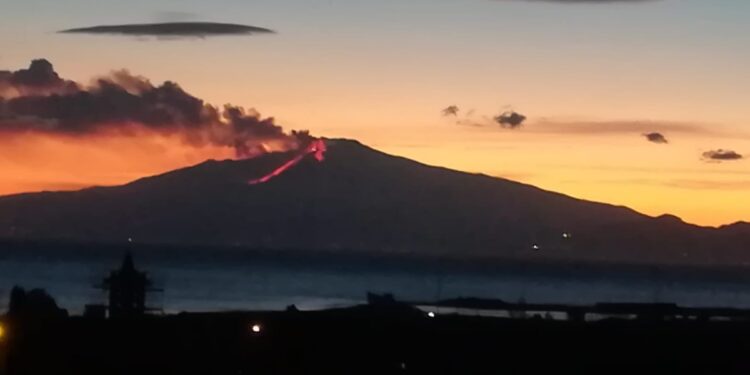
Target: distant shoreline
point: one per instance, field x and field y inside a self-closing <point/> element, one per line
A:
<point x="61" y="251"/>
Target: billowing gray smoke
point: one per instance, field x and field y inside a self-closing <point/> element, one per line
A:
<point x="39" y="79"/>
<point x="38" y="100"/>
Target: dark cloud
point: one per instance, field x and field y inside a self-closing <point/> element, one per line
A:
<point x="721" y="155"/>
<point x="172" y="29"/>
<point x="451" y="111"/>
<point x="656" y="138"/>
<point x="510" y="119"/>
<point x="124" y="103"/>
<point x="39" y="77"/>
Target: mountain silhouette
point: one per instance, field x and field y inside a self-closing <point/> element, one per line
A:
<point x="363" y="200"/>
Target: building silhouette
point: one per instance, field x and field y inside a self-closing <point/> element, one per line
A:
<point x="127" y="288"/>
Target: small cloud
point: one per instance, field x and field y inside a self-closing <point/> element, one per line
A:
<point x="451" y="111"/>
<point x="656" y="138"/>
<point x="721" y="155"/>
<point x="172" y="29"/>
<point x="510" y="119"/>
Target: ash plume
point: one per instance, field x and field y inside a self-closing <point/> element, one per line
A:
<point x="38" y="100"/>
<point x="39" y="78"/>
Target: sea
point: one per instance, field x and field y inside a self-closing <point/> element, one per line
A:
<point x="203" y="280"/>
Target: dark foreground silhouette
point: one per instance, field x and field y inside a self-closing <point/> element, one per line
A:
<point x="382" y="337"/>
<point x="379" y="338"/>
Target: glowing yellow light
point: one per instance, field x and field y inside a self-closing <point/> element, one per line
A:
<point x="255" y="328"/>
<point x="2" y="331"/>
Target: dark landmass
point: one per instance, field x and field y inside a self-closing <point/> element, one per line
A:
<point x="384" y="336"/>
<point x="370" y="339"/>
<point x="366" y="202"/>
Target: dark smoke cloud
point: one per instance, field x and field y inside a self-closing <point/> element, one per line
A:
<point x="125" y="103"/>
<point x="172" y="29"/>
<point x="510" y="119"/>
<point x="722" y="155"/>
<point x="451" y="111"/>
<point x="39" y="78"/>
<point x="656" y="138"/>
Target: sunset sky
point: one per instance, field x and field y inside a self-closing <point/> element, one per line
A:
<point x="592" y="77"/>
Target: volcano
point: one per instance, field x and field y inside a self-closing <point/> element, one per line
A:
<point x="361" y="200"/>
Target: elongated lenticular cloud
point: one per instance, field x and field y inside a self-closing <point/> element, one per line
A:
<point x="172" y="29"/>
<point x="38" y="100"/>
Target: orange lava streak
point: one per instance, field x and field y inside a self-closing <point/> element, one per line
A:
<point x="317" y="148"/>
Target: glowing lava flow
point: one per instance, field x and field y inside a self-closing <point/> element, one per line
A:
<point x="317" y="148"/>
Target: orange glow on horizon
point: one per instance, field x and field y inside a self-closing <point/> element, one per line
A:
<point x="37" y="162"/>
<point x="617" y="169"/>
